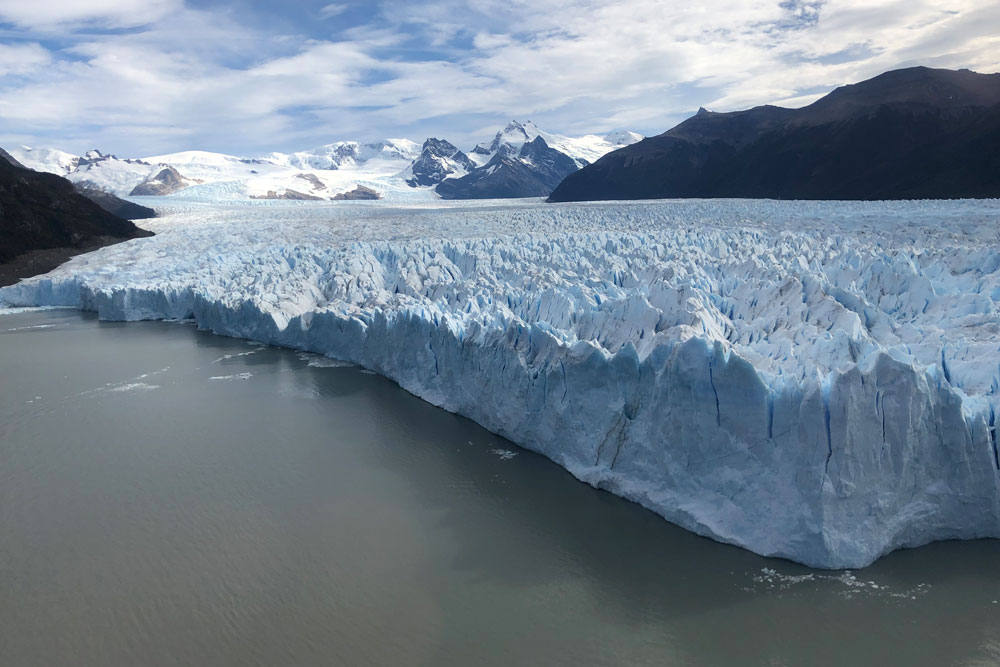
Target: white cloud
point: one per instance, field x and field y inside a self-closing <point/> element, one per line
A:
<point x="183" y="78"/>
<point x="109" y="13"/>
<point x="329" y="11"/>
<point x="21" y="59"/>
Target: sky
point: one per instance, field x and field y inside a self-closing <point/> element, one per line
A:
<point x="248" y="77"/>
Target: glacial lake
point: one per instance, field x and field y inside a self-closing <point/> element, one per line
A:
<point x="172" y="497"/>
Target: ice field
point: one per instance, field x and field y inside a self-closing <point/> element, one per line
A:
<point x="811" y="380"/>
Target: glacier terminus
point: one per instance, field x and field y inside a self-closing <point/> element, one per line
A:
<point x="816" y="381"/>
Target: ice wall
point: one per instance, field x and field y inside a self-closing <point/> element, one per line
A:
<point x="812" y="381"/>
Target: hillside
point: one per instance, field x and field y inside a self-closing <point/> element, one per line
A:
<point x="914" y="133"/>
<point x="44" y="220"/>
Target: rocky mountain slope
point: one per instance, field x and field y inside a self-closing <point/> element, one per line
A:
<point x="524" y="161"/>
<point x="106" y="200"/>
<point x="43" y="213"/>
<point x="439" y="159"/>
<point x="910" y="133"/>
<point x="115" y="204"/>
<point x="531" y="171"/>
<point x="164" y="182"/>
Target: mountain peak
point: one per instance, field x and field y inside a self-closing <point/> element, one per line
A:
<point x="906" y="134"/>
<point x="4" y="155"/>
<point x="620" y="138"/>
<point x="439" y="159"/>
<point x="924" y="86"/>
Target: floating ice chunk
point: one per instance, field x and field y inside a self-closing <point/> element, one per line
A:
<point x="134" y="386"/>
<point x="235" y="376"/>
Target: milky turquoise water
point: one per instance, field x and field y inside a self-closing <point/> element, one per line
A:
<point x="172" y="497"/>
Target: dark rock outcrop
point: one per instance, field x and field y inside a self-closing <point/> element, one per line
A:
<point x="907" y="134"/>
<point x="109" y="202"/>
<point x="359" y="193"/>
<point x="438" y="160"/>
<point x="312" y="180"/>
<point x="4" y="155"/>
<point x="114" y="204"/>
<point x="166" y="181"/>
<point x="43" y="213"/>
<point x="532" y="171"/>
<point x="287" y="194"/>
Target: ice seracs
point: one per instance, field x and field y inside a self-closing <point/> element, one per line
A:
<point x="811" y="380"/>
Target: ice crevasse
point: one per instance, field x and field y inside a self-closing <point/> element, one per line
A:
<point x="815" y="384"/>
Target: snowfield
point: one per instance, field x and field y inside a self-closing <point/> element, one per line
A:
<point x="811" y="380"/>
<point x="319" y="173"/>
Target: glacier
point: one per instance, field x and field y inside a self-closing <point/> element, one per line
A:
<point x="816" y="381"/>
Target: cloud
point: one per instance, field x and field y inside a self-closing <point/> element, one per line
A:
<point x="186" y="78"/>
<point x="329" y="11"/>
<point x="108" y="13"/>
<point x="22" y="59"/>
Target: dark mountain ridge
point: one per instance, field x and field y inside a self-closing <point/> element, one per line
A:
<point x="113" y="203"/>
<point x="106" y="200"/>
<point x="43" y="213"/>
<point x="907" y="134"/>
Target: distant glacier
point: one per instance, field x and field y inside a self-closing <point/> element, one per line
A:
<point x="811" y="380"/>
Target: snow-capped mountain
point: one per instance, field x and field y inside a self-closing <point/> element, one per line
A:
<point x="622" y="138"/>
<point x="348" y="154"/>
<point x="199" y="167"/>
<point x="533" y="170"/>
<point x="49" y="160"/>
<point x="94" y="169"/>
<point x="583" y="150"/>
<point x="320" y="173"/>
<point x="438" y="160"/>
<point x="525" y="161"/>
<point x="398" y="169"/>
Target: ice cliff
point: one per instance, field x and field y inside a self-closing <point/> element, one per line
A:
<point x="816" y="381"/>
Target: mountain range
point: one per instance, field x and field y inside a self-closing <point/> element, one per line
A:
<point x="521" y="160"/>
<point x="908" y="133"/>
<point x="915" y="133"/>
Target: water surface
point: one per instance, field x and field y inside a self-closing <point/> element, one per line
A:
<point x="168" y="496"/>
